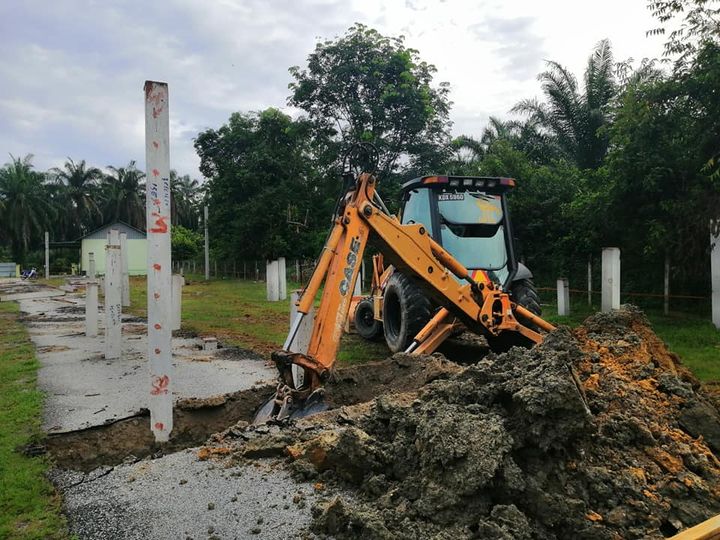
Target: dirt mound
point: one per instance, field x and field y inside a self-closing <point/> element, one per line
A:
<point x="600" y="433"/>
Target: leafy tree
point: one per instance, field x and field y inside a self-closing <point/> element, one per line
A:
<point x="78" y="196"/>
<point x="371" y="88"/>
<point x="573" y="119"/>
<point x="261" y="177"/>
<point x="663" y="166"/>
<point x="700" y="24"/>
<point x="27" y="211"/>
<point x="123" y="197"/>
<point x="186" y="244"/>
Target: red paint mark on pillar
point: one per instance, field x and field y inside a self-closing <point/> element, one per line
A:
<point x="156" y="172"/>
<point x="160" y="225"/>
<point x="159" y="425"/>
<point x="160" y="385"/>
<point x="155" y="144"/>
<point x="157" y="326"/>
<point x="157" y="267"/>
<point x="157" y="351"/>
<point x="156" y="296"/>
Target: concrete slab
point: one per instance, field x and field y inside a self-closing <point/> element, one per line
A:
<point x="177" y="496"/>
<point x="43" y="293"/>
<point x="84" y="389"/>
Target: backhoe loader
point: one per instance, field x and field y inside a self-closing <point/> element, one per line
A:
<point x="468" y="217"/>
<point x="480" y="305"/>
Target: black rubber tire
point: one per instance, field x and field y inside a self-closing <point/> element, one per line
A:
<point x="523" y="292"/>
<point x="365" y="323"/>
<point x="406" y="310"/>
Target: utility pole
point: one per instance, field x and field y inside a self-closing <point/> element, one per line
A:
<point x="159" y="299"/>
<point x="207" y="246"/>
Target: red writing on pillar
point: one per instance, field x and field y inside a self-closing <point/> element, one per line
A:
<point x="160" y="385"/>
<point x="160" y="225"/>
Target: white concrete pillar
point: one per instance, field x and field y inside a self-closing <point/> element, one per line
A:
<point x="113" y="301"/>
<point x="563" y="296"/>
<point x="159" y="298"/>
<point x="589" y="281"/>
<point x="610" y="279"/>
<point x="177" y="287"/>
<point x="207" y="244"/>
<point x="715" y="278"/>
<point x="666" y="288"/>
<point x="91" y="309"/>
<point x="271" y="281"/>
<point x="125" y="276"/>
<point x="282" y="279"/>
<point x="91" y="266"/>
<point x="47" y="255"/>
<point x="302" y="338"/>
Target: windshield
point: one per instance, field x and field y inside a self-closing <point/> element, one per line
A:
<point x="471" y="229"/>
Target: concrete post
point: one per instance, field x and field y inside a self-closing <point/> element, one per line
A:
<point x="358" y="286"/>
<point x="91" y="266"/>
<point x="610" y="279"/>
<point x="589" y="281"/>
<point x="666" y="288"/>
<point x="125" y="276"/>
<point x="207" y="244"/>
<point x="297" y="270"/>
<point x="159" y="300"/>
<point x="272" y="283"/>
<point x="563" y="296"/>
<point x="715" y="278"/>
<point x="91" y="309"/>
<point x="302" y="339"/>
<point x="47" y="255"/>
<point x="282" y="279"/>
<point x="177" y="287"/>
<point x="113" y="303"/>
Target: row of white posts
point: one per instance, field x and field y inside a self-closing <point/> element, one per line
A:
<point x="610" y="291"/>
<point x="610" y="280"/>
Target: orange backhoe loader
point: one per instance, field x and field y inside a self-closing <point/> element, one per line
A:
<point x="482" y="307"/>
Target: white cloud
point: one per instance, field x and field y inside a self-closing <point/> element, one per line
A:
<point x="72" y="72"/>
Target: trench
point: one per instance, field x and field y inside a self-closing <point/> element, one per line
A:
<point x="195" y="419"/>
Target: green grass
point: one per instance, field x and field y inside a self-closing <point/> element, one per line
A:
<point x="236" y="311"/>
<point x="29" y="506"/>
<point x="692" y="337"/>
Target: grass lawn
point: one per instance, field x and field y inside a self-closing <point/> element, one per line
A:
<point x="29" y="507"/>
<point x="236" y="311"/>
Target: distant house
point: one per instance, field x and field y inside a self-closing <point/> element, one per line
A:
<point x="96" y="241"/>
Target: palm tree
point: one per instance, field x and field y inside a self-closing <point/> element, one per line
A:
<point x="80" y="191"/>
<point x="123" y="195"/>
<point x="27" y="210"/>
<point x="184" y="204"/>
<point x="574" y="119"/>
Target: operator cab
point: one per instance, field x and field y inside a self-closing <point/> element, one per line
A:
<point x="468" y="216"/>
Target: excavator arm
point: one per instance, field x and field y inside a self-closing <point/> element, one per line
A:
<point x="482" y="307"/>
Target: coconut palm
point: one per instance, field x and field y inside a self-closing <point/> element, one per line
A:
<point x="27" y="210"/>
<point x="80" y="194"/>
<point x="184" y="205"/>
<point x="123" y="195"/>
<point x="573" y="118"/>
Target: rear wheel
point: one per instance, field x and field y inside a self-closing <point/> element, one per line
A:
<point x="405" y="311"/>
<point x="365" y="323"/>
<point x="523" y="292"/>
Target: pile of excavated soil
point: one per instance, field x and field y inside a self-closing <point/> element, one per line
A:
<point x="599" y="433"/>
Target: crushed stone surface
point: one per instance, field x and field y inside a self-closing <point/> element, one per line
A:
<point x="179" y="496"/>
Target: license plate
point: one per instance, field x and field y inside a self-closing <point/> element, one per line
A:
<point x="451" y="197"/>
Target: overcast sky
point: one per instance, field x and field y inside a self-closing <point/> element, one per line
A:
<point x="72" y="71"/>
